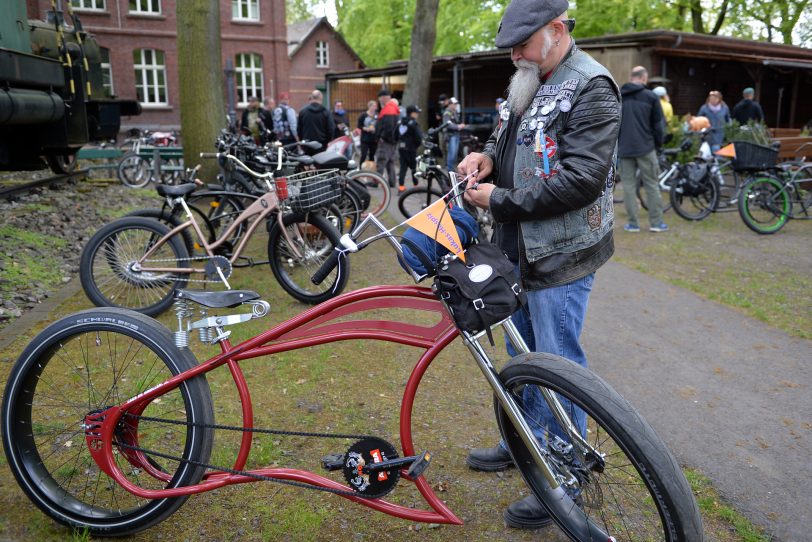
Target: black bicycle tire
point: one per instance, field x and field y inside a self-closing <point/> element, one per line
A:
<point x="40" y="483"/>
<point x="637" y="441"/>
<point x="89" y="280"/>
<point x="414" y="194"/>
<point x="747" y="199"/>
<point x="351" y="209"/>
<point x="300" y="290"/>
<point x="641" y="197"/>
<point x="677" y="200"/>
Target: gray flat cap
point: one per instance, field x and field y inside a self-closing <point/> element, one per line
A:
<point x="523" y="17"/>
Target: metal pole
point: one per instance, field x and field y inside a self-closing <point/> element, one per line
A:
<point x="232" y="112"/>
<point x="778" y="113"/>
<point x="456" y="74"/>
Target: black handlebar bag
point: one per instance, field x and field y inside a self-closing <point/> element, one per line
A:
<point x="481" y="291"/>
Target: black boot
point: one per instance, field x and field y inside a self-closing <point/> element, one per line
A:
<point x="489" y="459"/>
<point x="527" y="513"/>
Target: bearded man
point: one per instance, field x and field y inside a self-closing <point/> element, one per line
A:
<point x="550" y="167"/>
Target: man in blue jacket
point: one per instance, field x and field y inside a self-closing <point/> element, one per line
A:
<point x="642" y="128"/>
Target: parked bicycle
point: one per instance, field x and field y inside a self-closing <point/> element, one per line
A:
<point x="774" y="195"/>
<point x="139" y="263"/>
<point x="108" y="421"/>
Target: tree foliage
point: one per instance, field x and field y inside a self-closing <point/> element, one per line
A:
<point x="381" y="31"/>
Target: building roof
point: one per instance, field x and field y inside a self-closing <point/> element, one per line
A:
<point x="665" y="42"/>
<point x="299" y="33"/>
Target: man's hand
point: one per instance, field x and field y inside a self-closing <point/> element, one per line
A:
<point x="478" y="162"/>
<point x="478" y="194"/>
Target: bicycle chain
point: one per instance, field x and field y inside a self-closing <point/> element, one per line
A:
<point x="346" y="493"/>
<point x="179" y="275"/>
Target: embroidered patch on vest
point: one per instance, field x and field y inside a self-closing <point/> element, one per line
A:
<point x="593" y="217"/>
<point x="551" y="146"/>
<point x="526" y="173"/>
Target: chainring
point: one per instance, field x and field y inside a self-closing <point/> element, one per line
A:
<point x="368" y="451"/>
<point x="213" y="263"/>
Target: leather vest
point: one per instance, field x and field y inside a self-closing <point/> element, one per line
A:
<point x="537" y="138"/>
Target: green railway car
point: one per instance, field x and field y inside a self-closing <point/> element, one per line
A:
<point x="52" y="100"/>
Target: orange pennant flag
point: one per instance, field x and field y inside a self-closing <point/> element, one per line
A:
<point x="427" y="220"/>
<point x="728" y="151"/>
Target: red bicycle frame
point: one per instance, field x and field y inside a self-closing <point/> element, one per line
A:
<point x="314" y="327"/>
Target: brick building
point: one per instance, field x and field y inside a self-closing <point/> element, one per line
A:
<point x="138" y="38"/>
<point x="315" y="48"/>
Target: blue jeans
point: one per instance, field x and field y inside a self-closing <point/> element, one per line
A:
<point x="553" y="324"/>
<point x="453" y="143"/>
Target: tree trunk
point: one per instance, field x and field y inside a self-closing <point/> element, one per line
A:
<point x="200" y="81"/>
<point x="696" y="17"/>
<point x="418" y="75"/>
<point x="720" y="18"/>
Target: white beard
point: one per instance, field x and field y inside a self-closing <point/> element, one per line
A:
<point x="523" y="86"/>
<point x="526" y="81"/>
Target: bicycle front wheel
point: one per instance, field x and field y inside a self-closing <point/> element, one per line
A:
<point x="112" y="274"/>
<point x="298" y="249"/>
<point x="87" y="362"/>
<point x="625" y="486"/>
<point x="414" y="200"/>
<point x="379" y="192"/>
<point x="764" y="205"/>
<point x="696" y="204"/>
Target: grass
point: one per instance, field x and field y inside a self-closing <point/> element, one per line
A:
<point x="356" y="387"/>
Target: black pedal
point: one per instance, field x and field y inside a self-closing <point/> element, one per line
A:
<point x="421" y="463"/>
<point x="333" y="461"/>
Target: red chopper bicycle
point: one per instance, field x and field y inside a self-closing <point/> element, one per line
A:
<point x="108" y="422"/>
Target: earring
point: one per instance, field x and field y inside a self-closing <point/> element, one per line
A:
<point x="557" y="42"/>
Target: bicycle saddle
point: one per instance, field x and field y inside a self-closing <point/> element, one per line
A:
<point x="304" y="159"/>
<point x="175" y="191"/>
<point x="217" y="300"/>
<point x="330" y="159"/>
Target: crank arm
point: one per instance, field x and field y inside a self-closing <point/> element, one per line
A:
<point x="418" y="463"/>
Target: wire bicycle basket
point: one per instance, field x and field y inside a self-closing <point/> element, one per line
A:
<point x="311" y="190"/>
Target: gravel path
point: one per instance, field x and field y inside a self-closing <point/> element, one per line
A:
<point x="65" y="217"/>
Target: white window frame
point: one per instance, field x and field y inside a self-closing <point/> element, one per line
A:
<point x="248" y="76"/>
<point x="107" y="68"/>
<point x="151" y="93"/>
<point x="146" y="7"/>
<point x="322" y="54"/>
<point x="239" y="6"/>
<point x="89" y="5"/>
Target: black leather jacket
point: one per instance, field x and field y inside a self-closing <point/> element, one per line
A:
<point x="586" y="146"/>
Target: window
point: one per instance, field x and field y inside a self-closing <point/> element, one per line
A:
<point x="107" y="73"/>
<point x="322" y="54"/>
<point x="245" y="10"/>
<point x="145" y="6"/>
<point x="249" y="77"/>
<point x="97" y="5"/>
<point x="150" y="76"/>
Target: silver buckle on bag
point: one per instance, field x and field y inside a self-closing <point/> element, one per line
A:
<point x="478" y="303"/>
<point x="516" y="289"/>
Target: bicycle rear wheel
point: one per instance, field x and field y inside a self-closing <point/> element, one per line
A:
<point x="110" y="272"/>
<point x="697" y="204"/>
<point x="633" y="490"/>
<point x="87" y="362"/>
<point x="134" y="171"/>
<point x="298" y="249"/>
<point x="379" y="191"/>
<point x="764" y="206"/>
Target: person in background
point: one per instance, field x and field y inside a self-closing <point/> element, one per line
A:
<point x="452" y="117"/>
<point x="385" y="129"/>
<point x="442" y="103"/>
<point x="554" y="216"/>
<point x="642" y="131"/>
<point x="316" y="122"/>
<point x="717" y="112"/>
<point x="499" y="102"/>
<point x="748" y="109"/>
<point x="665" y="103"/>
<point x="256" y="120"/>
<point x="366" y="123"/>
<point x="285" y="123"/>
<point x="340" y="119"/>
<point x="269" y="104"/>
<point x="409" y="138"/>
